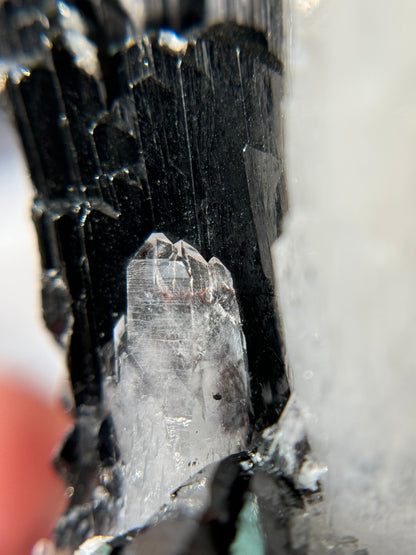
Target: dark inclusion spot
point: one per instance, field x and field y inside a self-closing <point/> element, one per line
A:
<point x="217" y="397"/>
<point x="107" y="443"/>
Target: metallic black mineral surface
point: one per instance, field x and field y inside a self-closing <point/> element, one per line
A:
<point x="132" y="137"/>
<point x="128" y="130"/>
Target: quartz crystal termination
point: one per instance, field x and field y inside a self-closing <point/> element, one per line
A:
<point x="179" y="397"/>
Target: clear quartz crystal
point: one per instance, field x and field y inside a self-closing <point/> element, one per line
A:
<point x="179" y="397"/>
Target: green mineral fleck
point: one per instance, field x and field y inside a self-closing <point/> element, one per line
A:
<point x="249" y="536"/>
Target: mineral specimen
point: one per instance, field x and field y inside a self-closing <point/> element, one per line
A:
<point x="133" y="123"/>
<point x="179" y="397"/>
<point x="128" y="133"/>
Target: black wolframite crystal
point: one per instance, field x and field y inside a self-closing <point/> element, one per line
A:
<point x="185" y="148"/>
<point x="128" y="137"/>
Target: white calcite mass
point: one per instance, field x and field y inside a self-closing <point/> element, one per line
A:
<point x="179" y="398"/>
<point x="346" y="263"/>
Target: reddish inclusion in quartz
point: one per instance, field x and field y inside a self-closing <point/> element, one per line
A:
<point x="32" y="496"/>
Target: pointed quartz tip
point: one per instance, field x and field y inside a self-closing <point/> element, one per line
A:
<point x="220" y="274"/>
<point x="196" y="266"/>
<point x="187" y="252"/>
<point x="157" y="245"/>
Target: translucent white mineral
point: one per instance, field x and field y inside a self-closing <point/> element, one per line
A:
<point x="95" y="546"/>
<point x="346" y="264"/>
<point x="179" y="399"/>
<point x="286" y="444"/>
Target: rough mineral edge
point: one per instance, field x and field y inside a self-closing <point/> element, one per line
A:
<point x="98" y="545"/>
<point x="286" y="451"/>
<point x="286" y="444"/>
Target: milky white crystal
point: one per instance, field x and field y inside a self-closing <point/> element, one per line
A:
<point x="346" y="263"/>
<point x="179" y="399"/>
